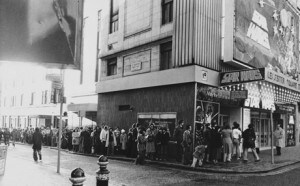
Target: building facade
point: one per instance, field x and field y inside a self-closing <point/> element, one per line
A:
<point x="163" y="61"/>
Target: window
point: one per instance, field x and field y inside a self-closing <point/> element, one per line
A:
<point x="166" y="56"/>
<point x="163" y="119"/>
<point x="167" y="11"/>
<point x="44" y="97"/>
<point x="21" y="100"/>
<point x="112" y="67"/>
<point x="114" y="15"/>
<point x="32" y="98"/>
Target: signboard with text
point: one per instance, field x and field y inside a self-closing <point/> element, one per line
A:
<point x="244" y="76"/>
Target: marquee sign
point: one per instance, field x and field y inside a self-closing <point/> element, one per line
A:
<point x="235" y="77"/>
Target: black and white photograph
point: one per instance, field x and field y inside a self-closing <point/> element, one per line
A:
<point x="149" y="92"/>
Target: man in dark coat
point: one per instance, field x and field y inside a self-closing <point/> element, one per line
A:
<point x="178" y="136"/>
<point x="37" y="139"/>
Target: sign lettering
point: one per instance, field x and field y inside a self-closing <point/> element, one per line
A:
<point x="242" y="76"/>
<point x="231" y="78"/>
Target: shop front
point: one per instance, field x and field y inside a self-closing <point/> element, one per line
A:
<point x="268" y="92"/>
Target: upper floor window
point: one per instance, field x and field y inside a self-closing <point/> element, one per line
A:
<point x="166" y="56"/>
<point x="167" y="11"/>
<point x="114" y="16"/>
<point x="32" y="98"/>
<point x="112" y="66"/>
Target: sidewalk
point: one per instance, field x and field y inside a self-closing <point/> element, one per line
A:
<point x="290" y="156"/>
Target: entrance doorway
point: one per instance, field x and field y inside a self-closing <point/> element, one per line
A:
<point x="262" y="129"/>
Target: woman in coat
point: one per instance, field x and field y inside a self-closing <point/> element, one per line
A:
<point x="249" y="142"/>
<point x="111" y="142"/>
<point x="150" y="144"/>
<point x="141" y="147"/>
<point x="279" y="139"/>
<point x="227" y="143"/>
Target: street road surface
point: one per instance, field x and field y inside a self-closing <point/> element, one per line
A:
<point x="22" y="170"/>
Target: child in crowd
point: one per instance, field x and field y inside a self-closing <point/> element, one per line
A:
<point x="198" y="155"/>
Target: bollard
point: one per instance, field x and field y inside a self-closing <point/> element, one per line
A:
<point x="77" y="177"/>
<point x="102" y="176"/>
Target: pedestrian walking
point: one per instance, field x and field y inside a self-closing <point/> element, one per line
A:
<point x="37" y="139"/>
<point x="249" y="142"/>
<point x="279" y="139"/>
<point x="187" y="145"/>
<point x="178" y="134"/>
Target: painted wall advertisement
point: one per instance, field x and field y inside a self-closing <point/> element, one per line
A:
<point x="267" y="35"/>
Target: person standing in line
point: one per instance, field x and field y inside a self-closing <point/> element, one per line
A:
<point x="249" y="142"/>
<point x="178" y="134"/>
<point x="103" y="138"/>
<point x="141" y="147"/>
<point x="123" y="141"/>
<point x="236" y="139"/>
<point x="164" y="143"/>
<point x="1" y="133"/>
<point x="111" y="142"/>
<point x="227" y="143"/>
<point x="187" y="145"/>
<point x="37" y="140"/>
<point x="207" y="142"/>
<point x="150" y="143"/>
<point x="279" y="139"/>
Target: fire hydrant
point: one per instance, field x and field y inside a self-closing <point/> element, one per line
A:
<point x="77" y="177"/>
<point x="102" y="174"/>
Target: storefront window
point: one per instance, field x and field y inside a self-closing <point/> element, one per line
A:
<point x="167" y="120"/>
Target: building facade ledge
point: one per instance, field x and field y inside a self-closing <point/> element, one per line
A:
<point x="180" y="75"/>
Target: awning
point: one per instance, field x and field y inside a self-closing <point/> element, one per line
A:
<point x="82" y="107"/>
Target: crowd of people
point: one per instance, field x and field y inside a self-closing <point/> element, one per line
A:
<point x="213" y="143"/>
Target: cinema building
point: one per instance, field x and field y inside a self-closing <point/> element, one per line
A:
<point x="163" y="61"/>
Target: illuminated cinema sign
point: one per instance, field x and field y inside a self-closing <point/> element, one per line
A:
<point x="235" y="77"/>
<point x="47" y="32"/>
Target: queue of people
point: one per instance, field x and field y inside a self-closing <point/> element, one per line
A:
<point x="213" y="143"/>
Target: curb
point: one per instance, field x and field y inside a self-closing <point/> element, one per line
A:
<point x="184" y="167"/>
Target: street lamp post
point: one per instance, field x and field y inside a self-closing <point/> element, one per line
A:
<point x="60" y="122"/>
